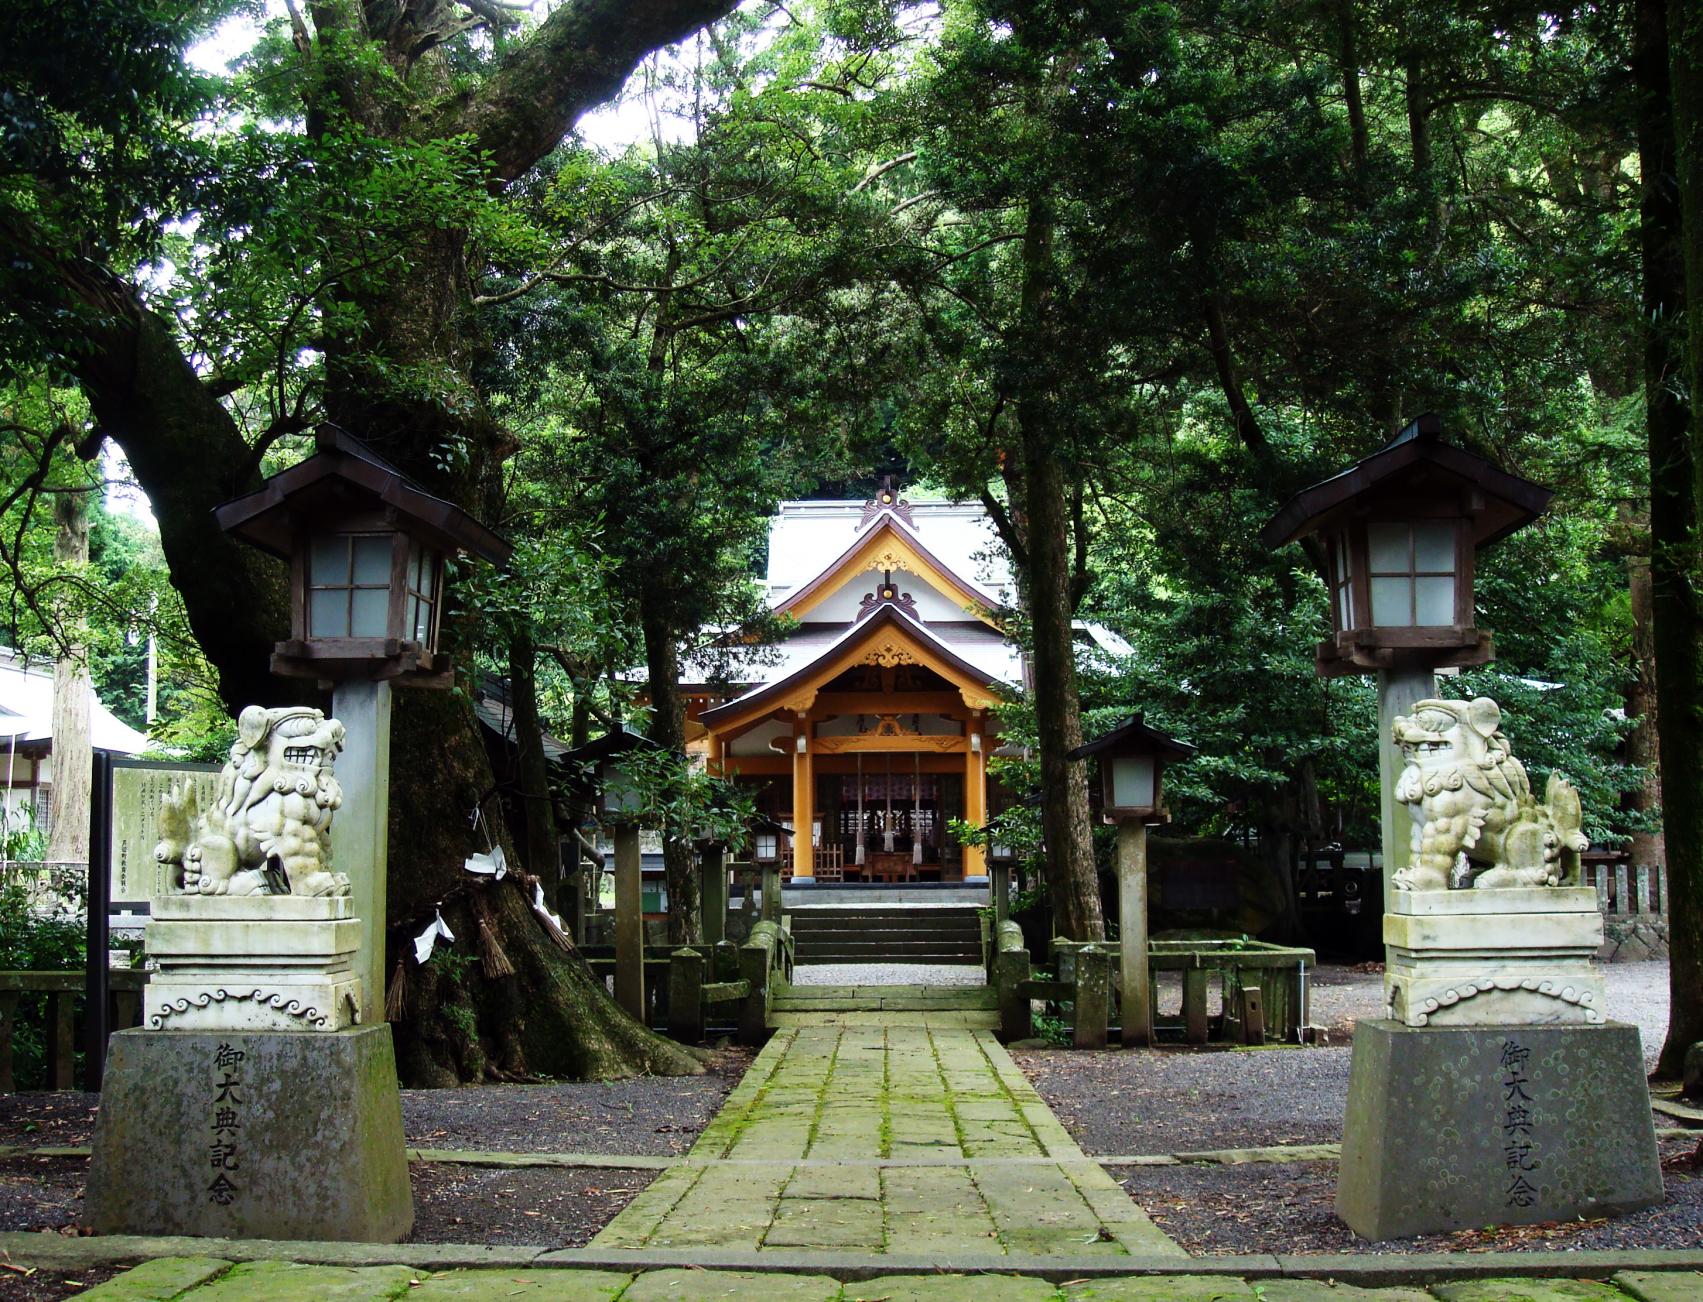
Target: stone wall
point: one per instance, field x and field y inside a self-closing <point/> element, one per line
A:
<point x="1635" y="939"/>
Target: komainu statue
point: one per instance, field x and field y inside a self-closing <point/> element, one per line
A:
<point x="1475" y="821"/>
<point x="268" y="831"/>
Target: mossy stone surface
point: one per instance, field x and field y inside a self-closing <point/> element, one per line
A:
<point x="746" y="1286"/>
<point x="159" y="1280"/>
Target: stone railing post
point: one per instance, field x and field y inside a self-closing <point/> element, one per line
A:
<point x="686" y="996"/>
<point x="1011" y="968"/>
<point x="1093" y="997"/>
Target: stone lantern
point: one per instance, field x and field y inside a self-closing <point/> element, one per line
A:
<point x="619" y="806"/>
<point x="1464" y="1099"/>
<point x="1400" y="531"/>
<point x="366" y="549"/>
<point x="1132" y="761"/>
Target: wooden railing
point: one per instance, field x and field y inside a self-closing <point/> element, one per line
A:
<point x="63" y="992"/>
<point x="1624" y="889"/>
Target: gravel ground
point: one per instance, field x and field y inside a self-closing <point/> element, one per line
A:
<point x="889" y="974"/>
<point x="1176" y="1100"/>
<point x="554" y="1206"/>
<point x="49" y="1285"/>
<point x="650" y="1115"/>
<point x="551" y="1207"/>
<point x="1220" y="1210"/>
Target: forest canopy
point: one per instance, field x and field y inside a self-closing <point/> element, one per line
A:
<point x="1125" y="274"/>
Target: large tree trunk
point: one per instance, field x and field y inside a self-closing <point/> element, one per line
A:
<point x="552" y="1015"/>
<point x="73" y="755"/>
<point x="1073" y="886"/>
<point x="1673" y="257"/>
<point x="532" y="776"/>
<point x="668" y="730"/>
<point x="1643" y="742"/>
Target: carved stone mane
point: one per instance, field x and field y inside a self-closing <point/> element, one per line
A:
<point x="1475" y="821"/>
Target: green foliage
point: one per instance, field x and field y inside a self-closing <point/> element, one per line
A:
<point x="42" y="929"/>
<point x="666" y="792"/>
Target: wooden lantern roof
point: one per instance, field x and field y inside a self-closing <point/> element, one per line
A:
<point x="1133" y="734"/>
<point x="344" y="476"/>
<point x="1407" y="465"/>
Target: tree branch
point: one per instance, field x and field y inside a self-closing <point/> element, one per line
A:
<point x="577" y="59"/>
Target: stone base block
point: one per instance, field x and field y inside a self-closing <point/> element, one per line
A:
<point x="225" y="965"/>
<point x="1494" y="958"/>
<point x="265" y="1135"/>
<point x="1451" y="1127"/>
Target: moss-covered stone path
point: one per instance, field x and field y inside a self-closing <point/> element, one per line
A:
<point x="906" y="1137"/>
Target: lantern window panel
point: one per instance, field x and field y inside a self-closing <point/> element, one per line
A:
<point x="1342" y="585"/>
<point x="421" y="606"/>
<point x="1132" y="782"/>
<point x="1411" y="573"/>
<point x="349" y="585"/>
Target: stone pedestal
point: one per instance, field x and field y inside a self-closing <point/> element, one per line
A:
<point x="251" y="1134"/>
<point x="1451" y="1127"/>
<point x="254" y="962"/>
<point x="1493" y="957"/>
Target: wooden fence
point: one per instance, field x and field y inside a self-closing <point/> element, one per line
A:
<point x="64" y="994"/>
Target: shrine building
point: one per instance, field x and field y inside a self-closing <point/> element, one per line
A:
<point x="871" y="724"/>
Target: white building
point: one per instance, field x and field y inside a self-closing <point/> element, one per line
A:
<point x="26" y="735"/>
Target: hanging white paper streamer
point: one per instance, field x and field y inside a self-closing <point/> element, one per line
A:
<point x="541" y="909"/>
<point x="494" y="864"/>
<point x="427" y="940"/>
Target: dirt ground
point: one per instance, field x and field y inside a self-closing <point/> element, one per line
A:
<point x="553" y="1207"/>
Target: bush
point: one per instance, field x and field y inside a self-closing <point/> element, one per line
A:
<point x="40" y="931"/>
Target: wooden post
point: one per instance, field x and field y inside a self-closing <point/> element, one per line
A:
<point x="1252" y="1014"/>
<point x="61" y="1043"/>
<point x="359" y="844"/>
<point x="1093" y="997"/>
<point x="97" y="973"/>
<point x="713" y="894"/>
<point x="686" y="996"/>
<point x="629" y="923"/>
<point x="1194" y="1004"/>
<point x="8" y="1019"/>
<point x="803" y="811"/>
<point x="999" y="870"/>
<point x="975" y="802"/>
<point x="1132" y="934"/>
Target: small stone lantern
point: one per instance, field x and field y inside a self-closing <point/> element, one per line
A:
<point x="1132" y="768"/>
<point x="1399" y="532"/>
<point x="366" y="548"/>
<point x="1132" y="771"/>
<point x="619" y="805"/>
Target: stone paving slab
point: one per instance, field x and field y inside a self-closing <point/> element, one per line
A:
<point x="206" y="1279"/>
<point x="158" y="1280"/>
<point x="1664" y="1286"/>
<point x="905" y="1125"/>
<point x="533" y="1285"/>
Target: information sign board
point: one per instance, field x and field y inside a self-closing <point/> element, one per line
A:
<point x="137" y="786"/>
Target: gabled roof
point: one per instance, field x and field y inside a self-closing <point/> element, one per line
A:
<point x="26" y="713"/>
<point x="267" y="516"/>
<point x="908" y="634"/>
<point x="1133" y="732"/>
<point x="1511" y="502"/>
<point x="888" y="538"/>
